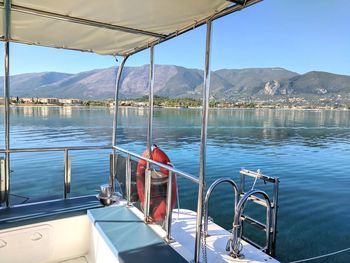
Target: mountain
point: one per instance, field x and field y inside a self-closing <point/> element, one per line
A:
<point x="179" y="82"/>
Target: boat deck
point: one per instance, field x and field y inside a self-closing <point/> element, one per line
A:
<point x="130" y="238"/>
<point x="44" y="211"/>
<point x="184" y="232"/>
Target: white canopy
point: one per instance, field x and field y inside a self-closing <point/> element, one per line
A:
<point x="109" y="27"/>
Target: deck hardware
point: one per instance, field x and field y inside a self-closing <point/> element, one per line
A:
<point x="237" y="223"/>
<point x="169" y="210"/>
<point x="67" y="173"/>
<point x="128" y="179"/>
<point x="208" y="195"/>
<point x="115" y="122"/>
<point x="271" y="247"/>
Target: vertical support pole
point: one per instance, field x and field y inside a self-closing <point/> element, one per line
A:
<point x="241" y="193"/>
<point x="147" y="200"/>
<point x="2" y="181"/>
<point x="205" y="107"/>
<point x="169" y="210"/>
<point x="242" y="184"/>
<point x="115" y="122"/>
<point x="7" y="5"/>
<point x="150" y="102"/>
<point x="148" y="172"/>
<point x="112" y="167"/>
<point x="67" y="173"/>
<point x="128" y="179"/>
<point x="274" y="216"/>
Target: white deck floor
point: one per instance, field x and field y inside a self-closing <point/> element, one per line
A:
<point x="184" y="231"/>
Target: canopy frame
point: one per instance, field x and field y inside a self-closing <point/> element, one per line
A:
<point x="156" y="38"/>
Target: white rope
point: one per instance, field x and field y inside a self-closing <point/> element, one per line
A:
<point x="322" y="256"/>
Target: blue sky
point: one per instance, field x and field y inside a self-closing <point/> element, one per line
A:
<point x="300" y="35"/>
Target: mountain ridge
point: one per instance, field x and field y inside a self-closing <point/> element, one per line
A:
<point x="180" y="82"/>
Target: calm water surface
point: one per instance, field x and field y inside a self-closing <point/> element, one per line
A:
<point x="308" y="150"/>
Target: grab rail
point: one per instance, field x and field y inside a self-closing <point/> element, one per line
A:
<point x="67" y="173"/>
<point x="169" y="168"/>
<point x="235" y="245"/>
<point x="207" y="197"/>
<point x="172" y="172"/>
<point x="274" y="205"/>
<point x="5" y="189"/>
<point x="49" y="149"/>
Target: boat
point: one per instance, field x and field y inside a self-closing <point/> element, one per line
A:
<point x="110" y="227"/>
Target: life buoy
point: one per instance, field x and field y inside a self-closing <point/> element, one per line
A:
<point x="159" y="184"/>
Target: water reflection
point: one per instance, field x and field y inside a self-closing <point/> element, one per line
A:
<point x="66" y="112"/>
<point x="308" y="150"/>
<point x="180" y="126"/>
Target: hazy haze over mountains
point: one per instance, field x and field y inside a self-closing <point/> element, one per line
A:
<point x="178" y="82"/>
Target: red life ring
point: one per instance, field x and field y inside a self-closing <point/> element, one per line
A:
<point x="159" y="184"/>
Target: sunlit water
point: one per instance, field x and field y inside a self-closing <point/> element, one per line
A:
<point x="308" y="150"/>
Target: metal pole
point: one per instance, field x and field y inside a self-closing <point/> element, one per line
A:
<point x="67" y="173"/>
<point x="150" y="101"/>
<point x="274" y="217"/>
<point x="148" y="172"/>
<point x="147" y="200"/>
<point x="205" y="107"/>
<point x="169" y="209"/>
<point x="128" y="180"/>
<point x="115" y="121"/>
<point x="7" y="5"/>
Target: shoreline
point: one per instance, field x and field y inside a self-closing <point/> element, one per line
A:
<point x="179" y="108"/>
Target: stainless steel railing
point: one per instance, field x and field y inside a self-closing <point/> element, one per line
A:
<point x="233" y="243"/>
<point x="67" y="174"/>
<point x="172" y="171"/>
<point x="208" y="195"/>
<point x="273" y="206"/>
<point x="168" y="167"/>
<point x="5" y="188"/>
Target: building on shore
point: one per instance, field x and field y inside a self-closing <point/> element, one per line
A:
<point x="70" y="101"/>
<point x="47" y="100"/>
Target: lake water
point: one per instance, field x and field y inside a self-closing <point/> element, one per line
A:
<point x="308" y="150"/>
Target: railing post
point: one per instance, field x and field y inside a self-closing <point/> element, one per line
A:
<point x="115" y="121"/>
<point x="67" y="173"/>
<point x="274" y="217"/>
<point x="169" y="210"/>
<point x="7" y="7"/>
<point x="205" y="108"/>
<point x="150" y="102"/>
<point x="112" y="168"/>
<point x="2" y="181"/>
<point x="128" y="179"/>
<point x="148" y="179"/>
<point x="148" y="172"/>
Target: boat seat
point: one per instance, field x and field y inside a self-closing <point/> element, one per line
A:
<point x="130" y="239"/>
<point x="44" y="211"/>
